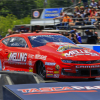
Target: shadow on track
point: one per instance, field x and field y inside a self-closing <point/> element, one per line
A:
<point x="71" y="80"/>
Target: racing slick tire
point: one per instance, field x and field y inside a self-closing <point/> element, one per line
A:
<point x="41" y="71"/>
<point x="91" y="79"/>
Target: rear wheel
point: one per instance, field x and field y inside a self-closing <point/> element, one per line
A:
<point x="41" y="71"/>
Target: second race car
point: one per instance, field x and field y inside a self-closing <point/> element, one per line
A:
<point x="50" y="55"/>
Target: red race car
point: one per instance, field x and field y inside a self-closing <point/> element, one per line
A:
<point x="50" y="55"/>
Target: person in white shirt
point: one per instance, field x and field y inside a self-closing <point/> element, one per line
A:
<point x="93" y="3"/>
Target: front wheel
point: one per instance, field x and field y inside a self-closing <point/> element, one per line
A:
<point x="91" y="79"/>
<point x="41" y="71"/>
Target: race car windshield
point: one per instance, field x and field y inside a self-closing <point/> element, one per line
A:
<point x="41" y="40"/>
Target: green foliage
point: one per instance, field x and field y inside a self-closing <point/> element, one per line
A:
<point x="20" y="8"/>
<point x="17" y="12"/>
<point x="59" y="3"/>
<point x="10" y="21"/>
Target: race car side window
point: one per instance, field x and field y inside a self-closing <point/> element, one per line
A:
<point x="17" y="42"/>
<point x="5" y="41"/>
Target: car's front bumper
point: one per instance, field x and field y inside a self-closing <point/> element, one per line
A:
<point x="83" y="72"/>
<point x="80" y="71"/>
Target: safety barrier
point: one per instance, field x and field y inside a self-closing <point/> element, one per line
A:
<point x="94" y="47"/>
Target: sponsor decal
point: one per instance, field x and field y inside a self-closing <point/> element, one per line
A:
<point x="56" y="75"/>
<point x="66" y="47"/>
<point x="30" y="69"/>
<point x="94" y="54"/>
<point x="3" y="67"/>
<point x="79" y="52"/>
<point x="49" y="68"/>
<point x="53" y="90"/>
<point x="50" y="63"/>
<point x="60" y="43"/>
<point x="30" y="63"/>
<point x="37" y="56"/>
<point x="56" y="72"/>
<point x="17" y="57"/>
<point x="17" y="63"/>
<point x="0" y="49"/>
<point x="0" y="65"/>
<point x="49" y="72"/>
<point x="57" y="67"/>
<point x="91" y="66"/>
<point x="36" y="14"/>
<point x="49" y="75"/>
<point x="31" y="56"/>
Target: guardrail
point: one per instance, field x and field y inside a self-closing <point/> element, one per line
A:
<point x="94" y="46"/>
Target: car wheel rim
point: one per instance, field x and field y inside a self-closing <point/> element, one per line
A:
<point x="41" y="70"/>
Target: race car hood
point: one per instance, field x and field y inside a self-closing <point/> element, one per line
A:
<point x="71" y="51"/>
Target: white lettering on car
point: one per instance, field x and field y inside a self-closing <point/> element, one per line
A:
<point x="37" y="56"/>
<point x="50" y="63"/>
<point x="91" y="66"/>
<point x="22" y="57"/>
<point x="79" y="52"/>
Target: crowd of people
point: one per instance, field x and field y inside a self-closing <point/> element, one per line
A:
<point x="83" y="15"/>
<point x="88" y="14"/>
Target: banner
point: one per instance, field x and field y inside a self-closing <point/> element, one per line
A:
<point x="46" y="13"/>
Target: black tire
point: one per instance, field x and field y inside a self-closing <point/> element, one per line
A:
<point x="91" y="79"/>
<point x="41" y="71"/>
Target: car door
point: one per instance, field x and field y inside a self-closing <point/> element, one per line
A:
<point x="16" y="54"/>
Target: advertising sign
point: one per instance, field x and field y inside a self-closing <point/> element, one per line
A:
<point x="52" y="12"/>
<point x="46" y="13"/>
<point x="53" y="91"/>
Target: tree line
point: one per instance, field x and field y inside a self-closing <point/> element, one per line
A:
<point x="22" y="8"/>
<point x="17" y="12"/>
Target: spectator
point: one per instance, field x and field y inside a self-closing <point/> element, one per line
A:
<point x="93" y="3"/>
<point x="85" y="2"/>
<point x="60" y="20"/>
<point x="9" y="32"/>
<point x="71" y="23"/>
<point x="74" y="38"/>
<point x="74" y="17"/>
<point x="77" y="10"/>
<point x="87" y="11"/>
<point x="79" y="20"/>
<point x="90" y="9"/>
<point x="98" y="4"/>
<point x="16" y="32"/>
<point x="97" y="10"/>
<point x="79" y="38"/>
<point x="93" y="12"/>
<point x="91" y="38"/>
<point x="86" y="14"/>
<point x="97" y="37"/>
<point x="81" y="9"/>
<point x="97" y="23"/>
<point x="82" y="14"/>
<point x="29" y="31"/>
<point x="88" y="32"/>
<point x="74" y="31"/>
<point x="65" y="21"/>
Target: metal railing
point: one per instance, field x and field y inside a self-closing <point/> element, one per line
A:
<point x="80" y="23"/>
